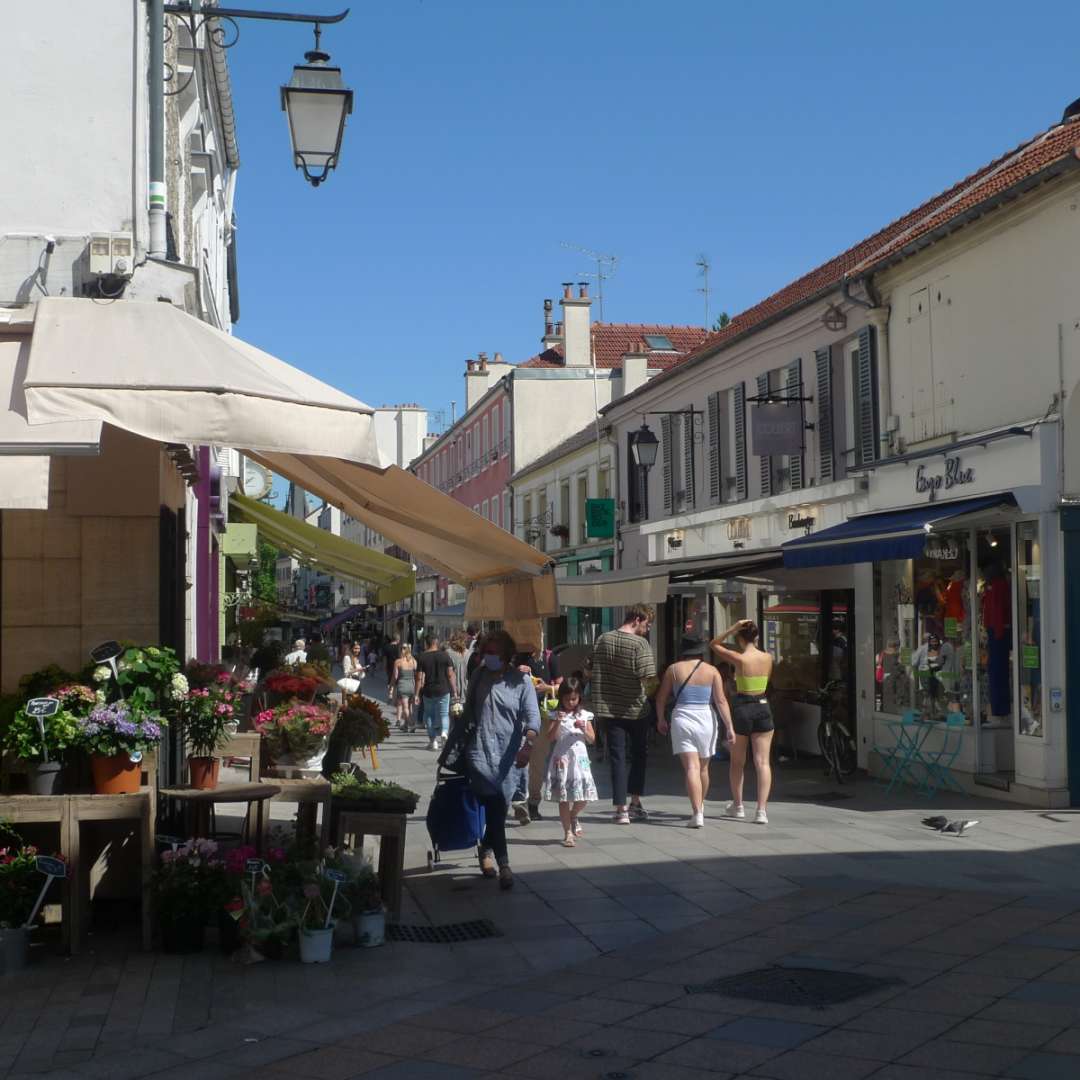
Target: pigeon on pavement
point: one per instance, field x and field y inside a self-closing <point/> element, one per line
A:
<point x="953" y="828"/>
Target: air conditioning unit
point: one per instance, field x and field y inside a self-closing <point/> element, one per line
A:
<point x="112" y="254"/>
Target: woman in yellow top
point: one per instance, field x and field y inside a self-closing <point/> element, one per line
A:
<point x="750" y="716"/>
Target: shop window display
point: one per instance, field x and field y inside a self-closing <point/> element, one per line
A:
<point x="995" y="628"/>
<point x="792" y="633"/>
<point x="1029" y="625"/>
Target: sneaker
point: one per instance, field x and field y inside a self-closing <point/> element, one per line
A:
<point x="622" y="817"/>
<point x="735" y="810"/>
<point x="534" y="811"/>
<point x="506" y="878"/>
<point x="521" y="813"/>
<point x="638" y="812"/>
<point x="761" y="818"/>
<point x="697" y="821"/>
<point x="433" y="744"/>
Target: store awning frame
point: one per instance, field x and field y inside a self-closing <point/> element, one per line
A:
<point x="614" y="588"/>
<point x="894" y="534"/>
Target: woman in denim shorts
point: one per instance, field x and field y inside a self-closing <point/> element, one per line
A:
<point x="750" y="715"/>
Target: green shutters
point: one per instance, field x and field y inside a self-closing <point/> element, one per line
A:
<point x="866" y="427"/>
<point x="826" y="459"/>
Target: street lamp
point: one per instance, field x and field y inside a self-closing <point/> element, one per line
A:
<point x="316" y="102"/>
<point x="644" y="446"/>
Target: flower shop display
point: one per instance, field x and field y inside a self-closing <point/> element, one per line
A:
<point x="189" y="886"/>
<point x="355" y="791"/>
<point x="285" y="686"/>
<point x="115" y="736"/>
<point x="295" y="733"/>
<point x="369" y="915"/>
<point x="25" y="877"/>
<point x="252" y="916"/>
<point x="208" y="715"/>
<point x="148" y="677"/>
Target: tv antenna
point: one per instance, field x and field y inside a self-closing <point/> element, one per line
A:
<point x="605" y="271"/>
<point x="703" y="267"/>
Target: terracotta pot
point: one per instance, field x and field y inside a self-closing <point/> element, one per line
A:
<point x="115" y="775"/>
<point x="203" y="772"/>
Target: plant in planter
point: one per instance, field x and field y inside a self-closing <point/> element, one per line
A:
<point x="363" y="722"/>
<point x="250" y="914"/>
<point x="149" y="678"/>
<point x="188" y="887"/>
<point x="41" y="741"/>
<point x="295" y="733"/>
<point x="208" y="716"/>
<point x="324" y="890"/>
<point x="369" y="916"/>
<point x="20" y="888"/>
<point x="115" y="736"/>
<point x="378" y="796"/>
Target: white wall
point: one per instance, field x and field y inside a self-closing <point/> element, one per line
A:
<point x="399" y="434"/>
<point x="548" y="409"/>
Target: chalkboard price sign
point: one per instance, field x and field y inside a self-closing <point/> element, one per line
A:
<point x="42" y="707"/>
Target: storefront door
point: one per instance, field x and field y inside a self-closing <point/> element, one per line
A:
<point x="838" y="653"/>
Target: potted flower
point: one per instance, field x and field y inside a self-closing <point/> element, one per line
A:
<point x="370" y="916"/>
<point x="41" y="741"/>
<point x="149" y="677"/>
<point x="295" y="733"/>
<point x="115" y="736"/>
<point x="188" y="887"/>
<point x="284" y="686"/>
<point x="20" y="887"/>
<point x="208" y="716"/>
<point x="250" y="912"/>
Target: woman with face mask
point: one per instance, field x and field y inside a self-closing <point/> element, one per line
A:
<point x="503" y="706"/>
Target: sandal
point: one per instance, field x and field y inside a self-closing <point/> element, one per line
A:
<point x="578" y="830"/>
<point x="569" y="841"/>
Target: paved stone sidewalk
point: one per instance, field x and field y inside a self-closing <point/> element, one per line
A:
<point x="598" y="945"/>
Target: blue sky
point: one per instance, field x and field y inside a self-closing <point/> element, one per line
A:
<point x="486" y="135"/>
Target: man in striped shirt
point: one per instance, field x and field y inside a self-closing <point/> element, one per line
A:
<point x="623" y="679"/>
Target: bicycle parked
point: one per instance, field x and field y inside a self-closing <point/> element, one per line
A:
<point x="835" y="740"/>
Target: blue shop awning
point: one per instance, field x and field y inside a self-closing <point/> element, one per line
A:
<point x="899" y="534"/>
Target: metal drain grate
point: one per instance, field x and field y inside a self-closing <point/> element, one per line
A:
<point x="447" y="934"/>
<point x="814" y="988"/>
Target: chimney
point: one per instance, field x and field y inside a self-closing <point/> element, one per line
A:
<point x="552" y="330"/>
<point x="577" y="339"/>
<point x="481" y="362"/>
<point x="635" y="367"/>
<point x="477" y="381"/>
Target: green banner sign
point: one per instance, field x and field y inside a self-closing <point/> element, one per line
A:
<point x="600" y="519"/>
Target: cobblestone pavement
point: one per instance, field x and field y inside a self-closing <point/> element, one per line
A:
<point x="978" y="938"/>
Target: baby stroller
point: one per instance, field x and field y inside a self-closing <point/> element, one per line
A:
<point x="455" y="820"/>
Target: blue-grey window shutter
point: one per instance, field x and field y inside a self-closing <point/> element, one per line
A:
<point x="866" y="389"/>
<point x="689" y="477"/>
<point x="794" y="390"/>
<point x="668" y="462"/>
<point x="826" y="466"/>
<point x="765" y="461"/>
<point x="740" y="441"/>
<point x="716" y="474"/>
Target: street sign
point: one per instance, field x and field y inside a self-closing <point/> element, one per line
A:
<point x="599" y="519"/>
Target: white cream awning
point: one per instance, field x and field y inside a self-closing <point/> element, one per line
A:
<point x="25" y="450"/>
<point x="619" y="588"/>
<point x="152" y="369"/>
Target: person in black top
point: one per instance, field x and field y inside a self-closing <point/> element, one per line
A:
<point x="391" y="655"/>
<point x="435" y="683"/>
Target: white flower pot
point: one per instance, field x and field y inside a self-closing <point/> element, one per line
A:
<point x="371" y="928"/>
<point x="14" y="950"/>
<point x="316" y="946"/>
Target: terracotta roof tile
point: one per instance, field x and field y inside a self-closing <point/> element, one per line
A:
<point x="612" y="340"/>
<point x="1025" y="162"/>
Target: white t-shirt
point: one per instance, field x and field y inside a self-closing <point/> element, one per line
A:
<point x="297" y="656"/>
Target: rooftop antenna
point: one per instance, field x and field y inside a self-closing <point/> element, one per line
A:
<point x="703" y="266"/>
<point x="453" y="413"/>
<point x="605" y="270"/>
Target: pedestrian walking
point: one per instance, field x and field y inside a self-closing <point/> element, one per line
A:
<point x="435" y="684"/>
<point x="623" y="677"/>
<point x="458" y="650"/>
<point x="695" y="690"/>
<point x="298" y="654"/>
<point x="526" y="805"/>
<point x="504" y="720"/>
<point x="391" y="654"/>
<point x="751" y="716"/>
<point x="403" y="682"/>
<point x="569" y="775"/>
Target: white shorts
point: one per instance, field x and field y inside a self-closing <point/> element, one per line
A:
<point x="693" y="730"/>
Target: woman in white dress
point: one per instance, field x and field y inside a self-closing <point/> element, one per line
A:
<point x="570" y="780"/>
<point x="695" y="689"/>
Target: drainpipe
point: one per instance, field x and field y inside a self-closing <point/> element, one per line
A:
<point x="156" y="80"/>
<point x="878" y="316"/>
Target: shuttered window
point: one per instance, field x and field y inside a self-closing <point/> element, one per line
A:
<point x="866" y="427"/>
<point x="765" y="462"/>
<point x="689" y="476"/>
<point x="793" y="389"/>
<point x="826" y="450"/>
<point x="740" y="441"/>
<point x="667" y="451"/>
<point x="716" y="469"/>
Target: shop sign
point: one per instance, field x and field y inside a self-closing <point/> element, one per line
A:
<point x="738" y="528"/>
<point x="801" y="521"/>
<point x="943" y="551"/>
<point x="932" y="484"/>
<point x="599" y="519"/>
<point x="777" y="429"/>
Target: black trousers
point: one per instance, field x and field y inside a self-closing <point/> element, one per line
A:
<point x="495" y="827"/>
<point x="627" y="749"/>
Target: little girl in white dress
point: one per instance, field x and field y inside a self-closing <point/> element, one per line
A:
<point x="569" y="779"/>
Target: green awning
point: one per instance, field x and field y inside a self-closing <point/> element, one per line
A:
<point x="322" y="550"/>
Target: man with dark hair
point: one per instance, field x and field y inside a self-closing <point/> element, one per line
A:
<point x="623" y="679"/>
<point x="435" y="684"/>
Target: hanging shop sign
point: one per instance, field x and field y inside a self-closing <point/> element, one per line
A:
<point x="777" y="428"/>
<point x="599" y="519"/>
<point x="953" y="476"/>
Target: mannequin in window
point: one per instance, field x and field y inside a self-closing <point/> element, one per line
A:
<point x="996" y="603"/>
<point x="932" y="663"/>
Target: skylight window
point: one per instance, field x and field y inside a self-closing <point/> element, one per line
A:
<point x="659" y="343"/>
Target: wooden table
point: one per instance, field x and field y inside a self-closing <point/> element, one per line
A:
<point x="310" y="794"/>
<point x="198" y="804"/>
<point x="390" y="828"/>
